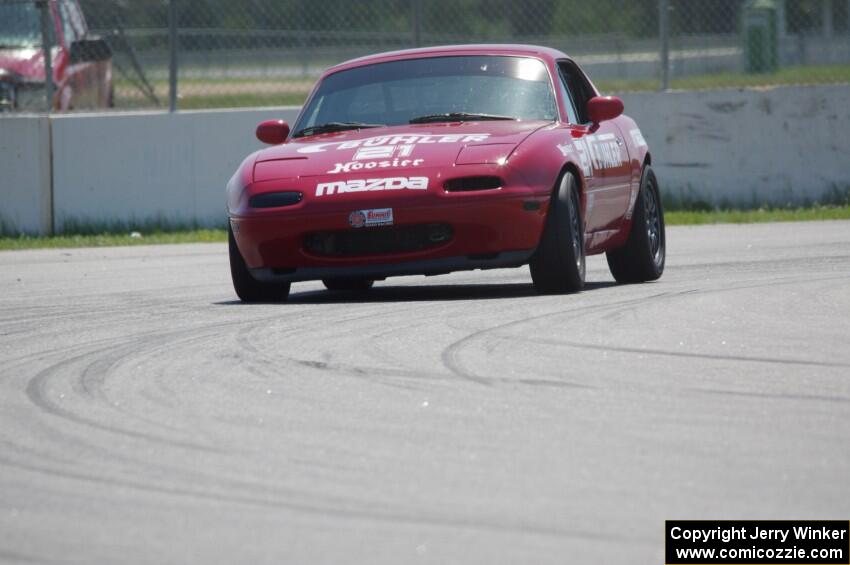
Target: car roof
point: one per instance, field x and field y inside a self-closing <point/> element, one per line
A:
<point x="449" y="50"/>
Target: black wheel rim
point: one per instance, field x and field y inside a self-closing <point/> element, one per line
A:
<point x="575" y="223"/>
<point x="652" y="213"/>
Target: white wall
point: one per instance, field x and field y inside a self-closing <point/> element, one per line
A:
<point x="778" y="145"/>
<point x="25" y="205"/>
<point x="135" y="167"/>
<point x="737" y="146"/>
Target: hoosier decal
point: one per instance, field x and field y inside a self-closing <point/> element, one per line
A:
<point x="368" y="165"/>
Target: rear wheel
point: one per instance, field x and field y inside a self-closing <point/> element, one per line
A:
<point x="348" y="284"/>
<point x="558" y="265"/>
<point x="247" y="288"/>
<point x="642" y="258"/>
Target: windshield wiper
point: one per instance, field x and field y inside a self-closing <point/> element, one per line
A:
<point x="332" y="127"/>
<point x="457" y="117"/>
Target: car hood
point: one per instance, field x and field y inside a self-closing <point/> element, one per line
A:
<point x="26" y="64"/>
<point x="381" y="150"/>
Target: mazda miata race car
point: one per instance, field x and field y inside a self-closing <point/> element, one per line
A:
<point x="442" y="159"/>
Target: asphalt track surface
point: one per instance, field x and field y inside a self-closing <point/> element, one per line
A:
<point x="148" y="417"/>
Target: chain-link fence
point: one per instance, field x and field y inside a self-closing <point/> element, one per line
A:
<point x="189" y="54"/>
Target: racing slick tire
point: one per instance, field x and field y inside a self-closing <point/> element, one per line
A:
<point x="348" y="285"/>
<point x="558" y="265"/>
<point x="247" y="288"/>
<point x="642" y="258"/>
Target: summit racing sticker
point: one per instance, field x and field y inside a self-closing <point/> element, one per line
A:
<point x="371" y="218"/>
<point x="363" y="185"/>
<point x="392" y="140"/>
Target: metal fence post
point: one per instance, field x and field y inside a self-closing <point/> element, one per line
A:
<point x="47" y="49"/>
<point x="782" y="32"/>
<point x="664" y="32"/>
<point x="416" y="17"/>
<point x="301" y="34"/>
<point x="172" y="55"/>
<point x="826" y="19"/>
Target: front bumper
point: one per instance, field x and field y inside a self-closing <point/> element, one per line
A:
<point x="489" y="230"/>
<point x="379" y="271"/>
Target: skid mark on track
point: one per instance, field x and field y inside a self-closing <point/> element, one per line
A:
<point x="309" y="347"/>
<point x="451" y="355"/>
<point x="386" y="516"/>
<point x="774" y="396"/>
<point x="36" y="391"/>
<point x="97" y="363"/>
<point x="263" y="362"/>
<point x="14" y="557"/>
<point x="683" y="354"/>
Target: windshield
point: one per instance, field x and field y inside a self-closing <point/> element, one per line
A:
<point x="19" y="25"/>
<point x="400" y="91"/>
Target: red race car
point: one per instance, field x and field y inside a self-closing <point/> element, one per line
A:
<point x="444" y="159"/>
<point x="81" y="63"/>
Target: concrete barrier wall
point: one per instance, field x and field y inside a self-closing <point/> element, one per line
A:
<point x="25" y="205"/>
<point x="746" y="147"/>
<point x="170" y="168"/>
<point x="736" y="147"/>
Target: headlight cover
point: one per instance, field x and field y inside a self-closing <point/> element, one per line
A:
<point x="30" y="97"/>
<point x="493" y="153"/>
<point x="7" y="97"/>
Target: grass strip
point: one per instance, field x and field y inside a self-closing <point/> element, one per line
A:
<point x="673" y="218"/>
<point x="112" y="239"/>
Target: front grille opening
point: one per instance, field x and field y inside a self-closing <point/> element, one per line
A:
<point x="275" y="199"/>
<point x="379" y="241"/>
<point x="471" y="184"/>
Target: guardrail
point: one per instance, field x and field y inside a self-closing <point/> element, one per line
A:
<point x="744" y="148"/>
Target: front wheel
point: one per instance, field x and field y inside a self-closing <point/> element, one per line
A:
<point x="558" y="265"/>
<point x="247" y="288"/>
<point x="642" y="258"/>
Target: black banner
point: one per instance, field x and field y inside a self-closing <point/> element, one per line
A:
<point x="757" y="542"/>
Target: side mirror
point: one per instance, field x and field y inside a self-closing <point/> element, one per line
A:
<point x="603" y="108"/>
<point x="90" y="50"/>
<point x="273" y="132"/>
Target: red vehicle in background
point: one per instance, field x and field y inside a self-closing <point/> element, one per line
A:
<point x="81" y="63"/>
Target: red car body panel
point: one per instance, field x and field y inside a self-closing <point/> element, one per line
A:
<point x="527" y="157"/>
<point x="85" y="85"/>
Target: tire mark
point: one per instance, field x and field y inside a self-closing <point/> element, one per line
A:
<point x="682" y="354"/>
<point x="339" y="512"/>
<point x="451" y="354"/>
<point x="36" y="391"/>
<point x="773" y="396"/>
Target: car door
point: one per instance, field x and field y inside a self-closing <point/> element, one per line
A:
<point x="577" y="138"/>
<point x="607" y="195"/>
<point x="99" y="69"/>
<point x="81" y="76"/>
